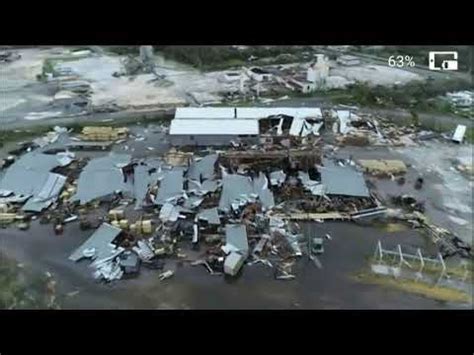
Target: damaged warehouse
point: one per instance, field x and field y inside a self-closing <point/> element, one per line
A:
<point x="212" y="126"/>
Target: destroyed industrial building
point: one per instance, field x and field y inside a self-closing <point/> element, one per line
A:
<point x="220" y="125"/>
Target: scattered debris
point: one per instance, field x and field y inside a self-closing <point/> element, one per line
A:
<point x="459" y="133"/>
<point x="233" y="262"/>
<point x="129" y="262"/>
<point x="99" y="134"/>
<point x="101" y="177"/>
<point x="344" y="181"/>
<point x="165" y="275"/>
<point x="9" y="56"/>
<point x="383" y="167"/>
<point x="143" y="208"/>
<point x="99" y="246"/>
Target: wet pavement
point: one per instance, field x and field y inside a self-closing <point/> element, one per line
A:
<point x="445" y="192"/>
<point x="331" y="287"/>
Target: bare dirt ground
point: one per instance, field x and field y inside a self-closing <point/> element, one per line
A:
<point x="25" y="97"/>
<point x="376" y="74"/>
<point x="20" y="91"/>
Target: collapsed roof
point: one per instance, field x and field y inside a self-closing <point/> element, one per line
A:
<point x="203" y="169"/>
<point x="49" y="192"/>
<point x="30" y="176"/>
<point x="238" y="190"/>
<point x="210" y="215"/>
<point x="101" y="177"/>
<point x="171" y="186"/>
<point x="23" y="175"/>
<point x="345" y="181"/>
<point x="146" y="174"/>
<point x="99" y="244"/>
<point x="236" y="238"/>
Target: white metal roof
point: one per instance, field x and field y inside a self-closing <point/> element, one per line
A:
<point x="214" y="127"/>
<point x="262" y="112"/>
<point x="244" y="112"/>
<point x="296" y="126"/>
<point x="204" y="112"/>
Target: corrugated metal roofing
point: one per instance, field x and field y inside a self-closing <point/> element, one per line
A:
<point x="245" y="112"/>
<point x="204" y="112"/>
<point x="101" y="177"/>
<point x="23" y="175"/>
<point x="192" y="202"/>
<point x="236" y="236"/>
<point x="214" y="127"/>
<point x="209" y="186"/>
<point x="100" y="241"/>
<point x="203" y="168"/>
<point x="143" y="178"/>
<point x="169" y="212"/>
<point x="343" y="181"/>
<point x="171" y="187"/>
<point x="260" y="187"/>
<point x="262" y="112"/>
<point x="210" y="215"/>
<point x="202" y="189"/>
<point x="296" y="126"/>
<point x="315" y="187"/>
<point x="52" y="186"/>
<point x="238" y="188"/>
<point x="234" y="188"/>
<point x="345" y="118"/>
<point x="47" y="195"/>
<point x="33" y="205"/>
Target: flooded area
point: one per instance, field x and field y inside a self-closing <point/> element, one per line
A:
<point x="447" y="194"/>
<point x="331" y="287"/>
<point x="451" y="201"/>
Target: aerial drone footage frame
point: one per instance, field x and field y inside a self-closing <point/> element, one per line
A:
<point x="236" y="177"/>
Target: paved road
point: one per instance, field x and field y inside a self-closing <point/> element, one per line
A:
<point x="96" y="117"/>
<point x="441" y="121"/>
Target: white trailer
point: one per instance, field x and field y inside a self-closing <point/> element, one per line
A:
<point x="459" y="133"/>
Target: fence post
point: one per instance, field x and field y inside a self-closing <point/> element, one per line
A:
<point x="379" y="250"/>
<point x="443" y="268"/>
<point x="422" y="264"/>
<point x="402" y="259"/>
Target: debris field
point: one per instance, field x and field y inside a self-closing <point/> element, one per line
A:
<point x="235" y="194"/>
